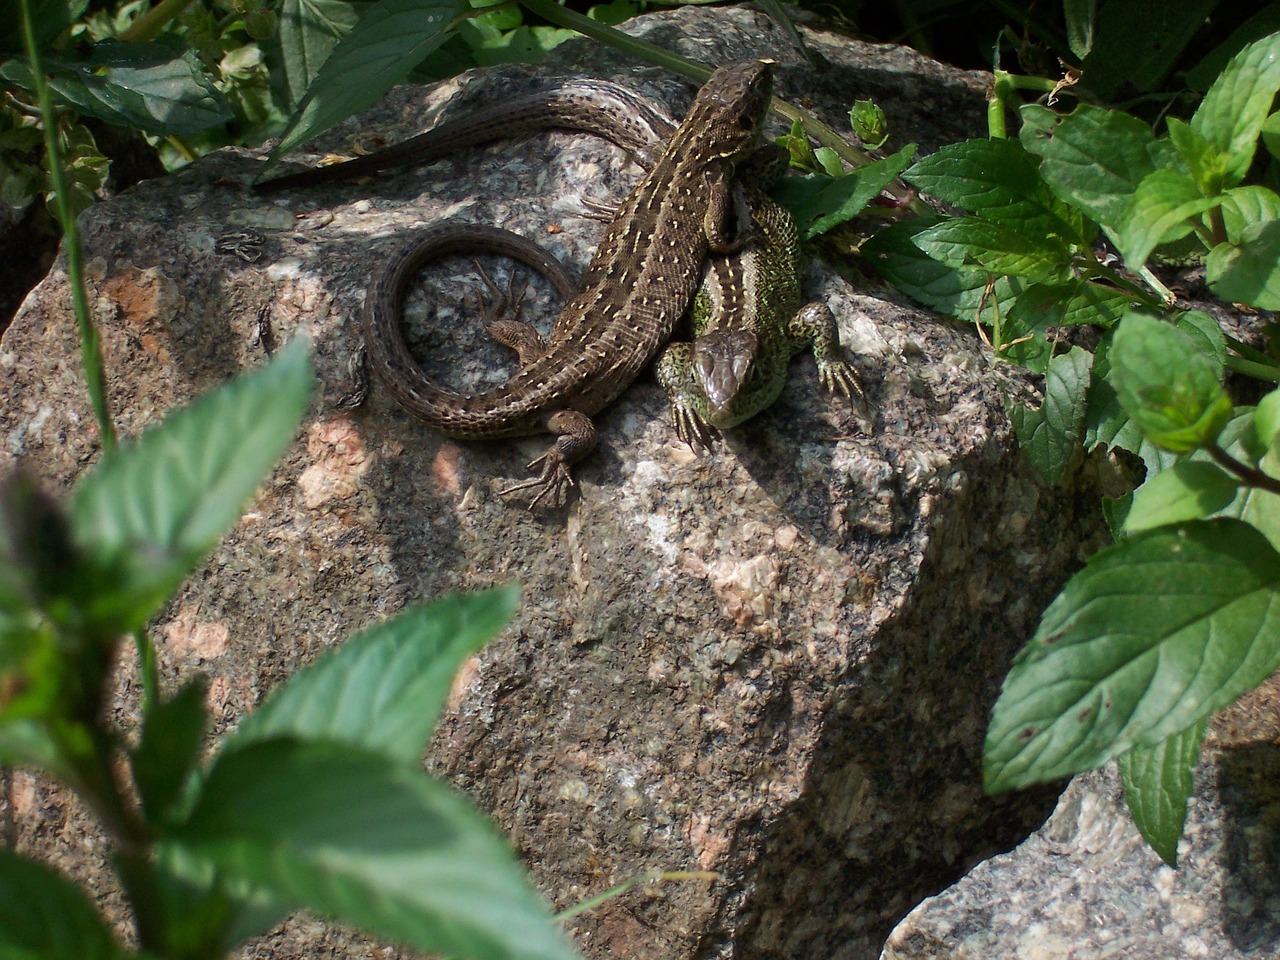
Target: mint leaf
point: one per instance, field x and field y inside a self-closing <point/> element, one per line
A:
<point x="1050" y="436"/>
<point x="1157" y="785"/>
<point x="1250" y="272"/>
<point x="1166" y="384"/>
<point x="1093" y="158"/>
<point x="155" y="506"/>
<point x="968" y="243"/>
<point x="998" y="180"/>
<point x="958" y="293"/>
<point x="1189" y="490"/>
<point x="46" y="917"/>
<point x="819" y="202"/>
<point x="1162" y="211"/>
<point x="169" y="750"/>
<point x="1207" y="166"/>
<point x="1106" y="424"/>
<point x="1243" y="206"/>
<point x="366" y="840"/>
<point x="391" y="38"/>
<point x="1206" y="333"/>
<point x="309" y="30"/>
<point x="1232" y="113"/>
<point x="1153" y="635"/>
<point x="384" y="688"/>
<point x="1266" y="420"/>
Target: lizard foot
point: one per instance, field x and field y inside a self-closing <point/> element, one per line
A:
<point x="691" y="428"/>
<point x="554" y="482"/>
<point x="838" y="377"/>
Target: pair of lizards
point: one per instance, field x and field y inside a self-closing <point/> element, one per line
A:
<point x="650" y="269"/>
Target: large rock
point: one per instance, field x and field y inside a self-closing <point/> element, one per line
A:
<point x="774" y="662"/>
<point x="1087" y="886"/>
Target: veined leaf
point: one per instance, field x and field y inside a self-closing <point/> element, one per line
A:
<point x="389" y="41"/>
<point x="1050" y="436"/>
<point x="1232" y="113"/>
<point x="152" y="508"/>
<point x="309" y="30"/>
<point x="1157" y="785"/>
<point x="1162" y="211"/>
<point x="384" y="688"/>
<point x="1248" y="272"/>
<point x="1093" y="158"/>
<point x="1153" y="635"/>
<point x="819" y="203"/>
<point x="1244" y="206"/>
<point x="968" y="243"/>
<point x="1166" y="384"/>
<point x="367" y="840"/>
<point x="1189" y="490"/>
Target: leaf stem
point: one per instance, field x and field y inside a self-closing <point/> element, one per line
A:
<point x="1251" y="476"/>
<point x="1250" y="368"/>
<point x="148" y="26"/>
<point x="90" y="350"/>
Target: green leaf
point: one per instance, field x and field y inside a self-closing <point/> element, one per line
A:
<point x="169" y="749"/>
<point x="1189" y="490"/>
<point x="1051" y="435"/>
<point x="819" y="202"/>
<point x="1271" y="134"/>
<point x="968" y="243"/>
<point x="1163" y="210"/>
<point x="365" y="840"/>
<point x="1207" y="166"/>
<point x="1166" y="384"/>
<point x="1093" y="158"/>
<point x="1244" y="206"/>
<point x="1232" y="113"/>
<point x="1153" y="635"/>
<point x="1138" y="42"/>
<point x="1106" y="424"/>
<point x="1266" y="420"/>
<point x="1081" y="25"/>
<point x="154" y="507"/>
<point x="998" y="180"/>
<point x="1157" y="785"/>
<point x="1250" y="272"/>
<point x="46" y="917"/>
<point x="957" y="293"/>
<point x="309" y="31"/>
<point x="1206" y="333"/>
<point x="384" y="688"/>
<point x="148" y="86"/>
<point x="390" y="39"/>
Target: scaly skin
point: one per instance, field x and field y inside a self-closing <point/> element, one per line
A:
<point x="636" y="288"/>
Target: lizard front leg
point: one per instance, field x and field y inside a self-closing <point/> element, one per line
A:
<point x="814" y="325"/>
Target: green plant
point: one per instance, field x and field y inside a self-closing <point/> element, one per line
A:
<point x="317" y="800"/>
<point x="1177" y="619"/>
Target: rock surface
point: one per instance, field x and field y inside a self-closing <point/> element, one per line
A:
<point x="1086" y="886"/>
<point x="774" y="662"/>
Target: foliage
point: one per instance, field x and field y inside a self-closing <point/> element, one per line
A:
<point x="1178" y="618"/>
<point x="317" y="800"/>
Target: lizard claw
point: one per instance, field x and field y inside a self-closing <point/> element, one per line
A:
<point x="554" y="482"/>
<point x="839" y="377"/>
<point x="691" y="428"/>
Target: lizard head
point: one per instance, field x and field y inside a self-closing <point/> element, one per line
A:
<point x="723" y="362"/>
<point x="731" y="106"/>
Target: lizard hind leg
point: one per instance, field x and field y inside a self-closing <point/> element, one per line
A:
<point x="575" y="436"/>
<point x="502" y="320"/>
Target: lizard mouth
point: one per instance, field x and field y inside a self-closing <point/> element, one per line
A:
<point x="723" y="362"/>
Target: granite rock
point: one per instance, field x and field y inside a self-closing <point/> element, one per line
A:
<point x="774" y="662"/>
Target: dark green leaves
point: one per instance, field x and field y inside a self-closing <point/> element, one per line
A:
<point x="1157" y="785"/>
<point x="1166" y="385"/>
<point x="384" y="688"/>
<point x="358" y="836"/>
<point x="1050" y="436"/>
<point x="390" y="40"/>
<point x="156" y="506"/>
<point x="1152" y="636"/>
<point x="820" y="202"/>
<point x="44" y="917"/>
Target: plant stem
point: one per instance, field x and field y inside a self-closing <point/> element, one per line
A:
<point x="1259" y="371"/>
<point x="148" y="26"/>
<point x="91" y="353"/>
<point x="552" y="12"/>
<point x="1252" y="476"/>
